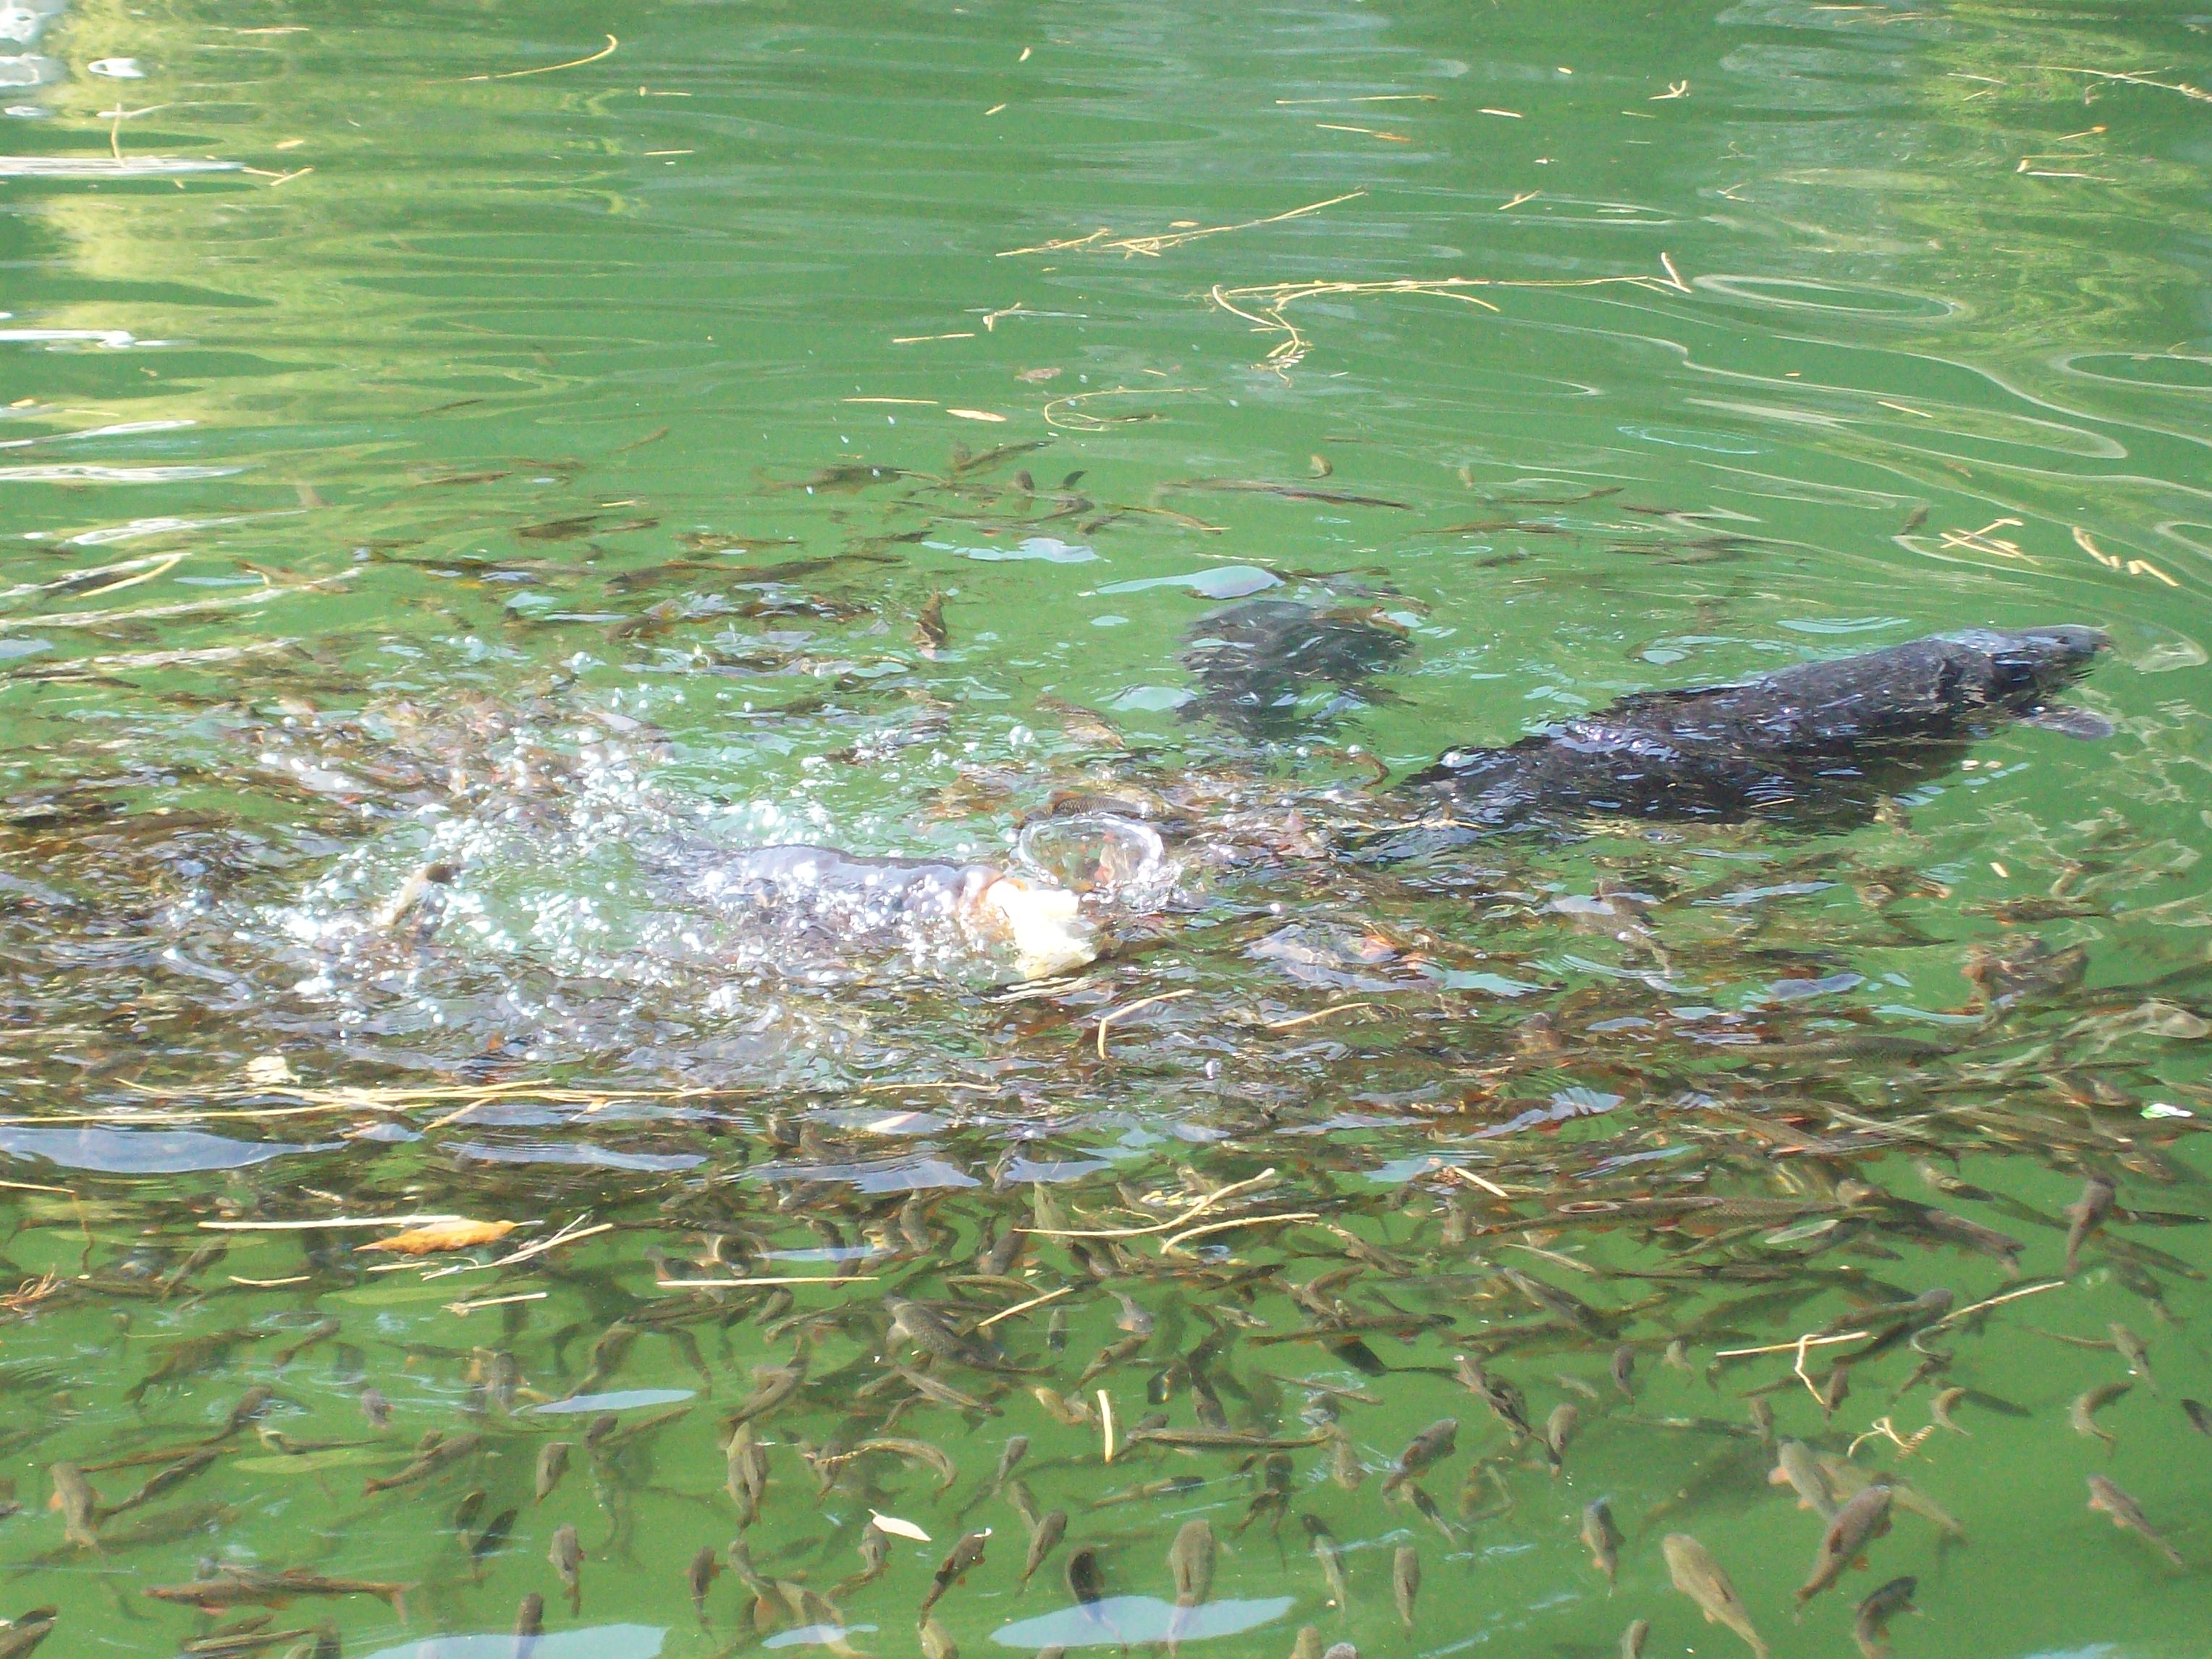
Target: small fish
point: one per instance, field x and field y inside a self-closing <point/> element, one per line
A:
<point x="1307" y="1643"/>
<point x="966" y="1555"/>
<point x="1796" y="1466"/>
<point x="1559" y="1429"/>
<point x="1634" y="1638"/>
<point x="1699" y="1576"/>
<point x="79" y="1504"/>
<point x="942" y="1393"/>
<point x="1016" y="1448"/>
<point x="427" y="1461"/>
<point x="1086" y="1583"/>
<point x="1624" y="1370"/>
<point x="2084" y="1215"/>
<point x="747" y="1481"/>
<point x="1834" y="1390"/>
<point x="772" y="1386"/>
<point x="1939" y="1409"/>
<point x="250" y="1405"/>
<point x="1190" y="1563"/>
<point x="552" y="1464"/>
<point x="470" y="1507"/>
<point x="1426" y="1507"/>
<point x="1108" y="1357"/>
<point x="1762" y="1419"/>
<point x="1406" y="1582"/>
<point x="1431" y="1445"/>
<point x="1505" y="1401"/>
<point x="700" y="1577"/>
<point x="1018" y="1495"/>
<point x="917" y="1451"/>
<point x="929" y="1332"/>
<point x="1341" y="1650"/>
<point x="1870" y="1624"/>
<point x="1068" y="1412"/>
<point x="2199" y="1416"/>
<point x="1044" y="1538"/>
<point x="530" y="1616"/>
<point x="2082" y="1414"/>
<point x="1132" y="1318"/>
<point x="376" y="1409"/>
<point x="936" y="1642"/>
<point x="566" y="1555"/>
<point x="1330" y="1554"/>
<point x="1344" y="1465"/>
<point x="2133" y="1349"/>
<point x="2128" y="1516"/>
<point x="494" y="1535"/>
<point x="26" y="1631"/>
<point x="875" y="1548"/>
<point x="230" y="1587"/>
<point x="1603" y="1538"/>
<point x="1173" y="1486"/>
<point x="1857" y="1524"/>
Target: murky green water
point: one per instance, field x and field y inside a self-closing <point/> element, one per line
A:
<point x="469" y="438"/>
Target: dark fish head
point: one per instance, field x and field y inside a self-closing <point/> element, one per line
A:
<point x="2032" y="663"/>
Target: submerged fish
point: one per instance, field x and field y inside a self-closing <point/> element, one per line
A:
<point x="1857" y="1524"/>
<point x="1044" y="1538"/>
<point x="230" y="1587"/>
<point x="552" y="1464"/>
<point x="1870" y="1624"/>
<point x="1190" y="1563"/>
<point x="966" y="1555"/>
<point x="23" y="1633"/>
<point x="2084" y="1215"/>
<point x="566" y="1555"/>
<point x="2127" y="1514"/>
<point x="1431" y="1445"/>
<point x="1603" y="1538"/>
<point x="2082" y="1414"/>
<point x="79" y="1504"/>
<point x="1699" y="1576"/>
<point x="1406" y="1582"/>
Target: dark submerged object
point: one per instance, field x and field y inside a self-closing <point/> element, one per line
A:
<point x="1822" y="741"/>
<point x="1256" y="663"/>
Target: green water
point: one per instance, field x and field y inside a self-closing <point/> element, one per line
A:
<point x="428" y="446"/>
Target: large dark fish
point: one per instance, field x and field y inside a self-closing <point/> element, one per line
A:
<point x="1822" y="741"/>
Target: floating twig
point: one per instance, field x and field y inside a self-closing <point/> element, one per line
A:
<point x="2130" y="79"/>
<point x="467" y="1308"/>
<point x="1319" y="1013"/>
<point x="1107" y="1020"/>
<point x="607" y="50"/>
<point x="1152" y="246"/>
<point x="1269" y="301"/>
<point x="1023" y="1307"/>
<point x="1210" y="1201"/>
<point x="739" y="1284"/>
<point x="1175" y="1243"/>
